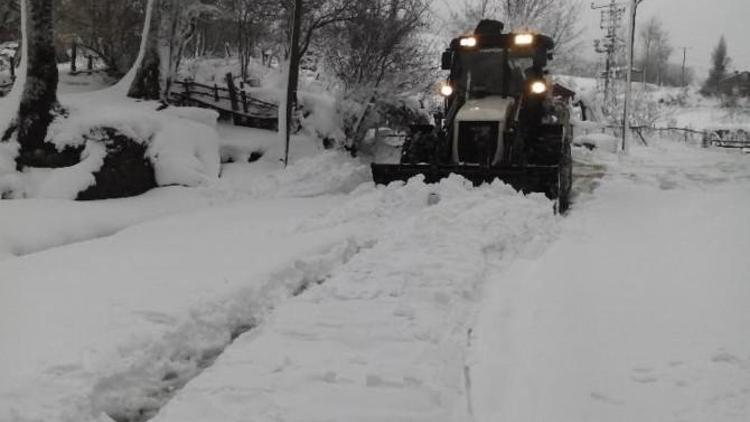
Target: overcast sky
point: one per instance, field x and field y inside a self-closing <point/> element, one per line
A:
<point x="697" y="24"/>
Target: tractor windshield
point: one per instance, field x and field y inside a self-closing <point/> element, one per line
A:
<point x="491" y="72"/>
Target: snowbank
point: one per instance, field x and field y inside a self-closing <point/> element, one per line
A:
<point x="182" y="145"/>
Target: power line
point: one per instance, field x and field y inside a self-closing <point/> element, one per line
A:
<point x="611" y="45"/>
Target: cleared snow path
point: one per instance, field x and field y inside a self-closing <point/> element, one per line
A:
<point x="384" y="339"/>
<point x="640" y="312"/>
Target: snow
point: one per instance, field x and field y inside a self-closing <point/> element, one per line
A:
<point x="138" y="294"/>
<point x="381" y="336"/>
<point x="636" y="313"/>
<point x="183" y="145"/>
<point x="309" y="294"/>
<point x="602" y="141"/>
<point x="65" y="182"/>
<point x="33" y="225"/>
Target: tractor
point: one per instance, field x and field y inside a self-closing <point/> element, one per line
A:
<point x="501" y="119"/>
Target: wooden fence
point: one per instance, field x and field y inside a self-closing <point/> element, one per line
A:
<point x="723" y="138"/>
<point x="229" y="101"/>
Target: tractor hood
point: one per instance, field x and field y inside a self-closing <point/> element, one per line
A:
<point x="486" y="109"/>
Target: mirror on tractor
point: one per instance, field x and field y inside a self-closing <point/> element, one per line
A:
<point x="447" y="60"/>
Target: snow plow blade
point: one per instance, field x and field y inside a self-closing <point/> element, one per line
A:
<point x="543" y="179"/>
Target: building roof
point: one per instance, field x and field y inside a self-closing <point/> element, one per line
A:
<point x="743" y="76"/>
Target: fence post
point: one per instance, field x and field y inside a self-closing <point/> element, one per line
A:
<point x="232" y="92"/>
<point x="216" y="93"/>
<point x="90" y="64"/>
<point x="244" y="101"/>
<point x="73" y="58"/>
<point x="186" y="85"/>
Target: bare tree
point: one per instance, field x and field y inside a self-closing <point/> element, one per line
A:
<point x="656" y="51"/>
<point x="318" y="15"/>
<point x="470" y="12"/>
<point x="10" y="19"/>
<point x="557" y="18"/>
<point x="108" y="28"/>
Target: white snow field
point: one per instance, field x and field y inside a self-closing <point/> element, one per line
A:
<point x="307" y="295"/>
<point x="639" y="312"/>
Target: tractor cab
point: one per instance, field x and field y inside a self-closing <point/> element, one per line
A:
<point x="490" y="63"/>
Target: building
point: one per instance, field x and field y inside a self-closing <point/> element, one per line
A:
<point x="736" y="85"/>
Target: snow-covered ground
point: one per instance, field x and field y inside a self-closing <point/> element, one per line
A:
<point x="305" y="298"/>
<point x="638" y="312"/>
<point x="309" y="294"/>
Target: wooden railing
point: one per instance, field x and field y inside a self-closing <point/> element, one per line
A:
<point x="244" y="109"/>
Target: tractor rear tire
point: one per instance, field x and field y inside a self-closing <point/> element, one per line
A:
<point x="565" y="179"/>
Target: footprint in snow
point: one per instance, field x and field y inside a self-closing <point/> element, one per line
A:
<point x="643" y="375"/>
<point x="606" y="399"/>
<point x="725" y="357"/>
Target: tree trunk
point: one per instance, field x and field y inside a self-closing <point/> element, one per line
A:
<point x="146" y="84"/>
<point x="293" y="82"/>
<point x="38" y="105"/>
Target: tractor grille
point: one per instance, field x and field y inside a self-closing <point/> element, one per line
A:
<point x="477" y="142"/>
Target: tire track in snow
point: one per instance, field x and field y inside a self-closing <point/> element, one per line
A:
<point x="153" y="378"/>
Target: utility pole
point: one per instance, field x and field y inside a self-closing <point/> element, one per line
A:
<point x="610" y="45"/>
<point x="629" y="71"/>
<point x="293" y="82"/>
<point x="684" y="62"/>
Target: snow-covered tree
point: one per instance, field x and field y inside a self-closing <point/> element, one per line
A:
<point x="380" y="58"/>
<point x="168" y="27"/>
<point x="719" y="67"/>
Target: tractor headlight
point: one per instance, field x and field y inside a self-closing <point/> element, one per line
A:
<point x="524" y="39"/>
<point x="446" y="90"/>
<point x="468" y="42"/>
<point x="538" y="87"/>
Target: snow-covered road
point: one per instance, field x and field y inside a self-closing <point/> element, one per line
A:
<point x="638" y="313"/>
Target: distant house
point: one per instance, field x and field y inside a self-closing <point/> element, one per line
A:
<point x="737" y="84"/>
